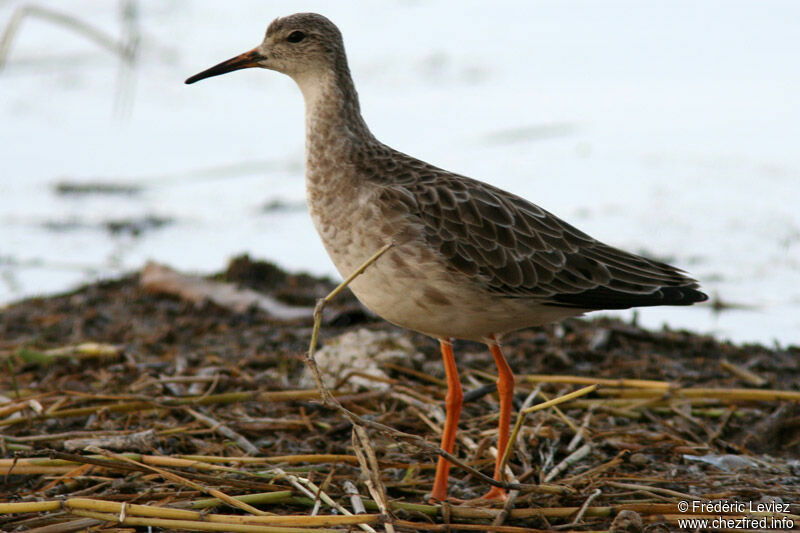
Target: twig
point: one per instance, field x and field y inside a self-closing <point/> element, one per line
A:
<point x="171" y="403"/>
<point x="668" y="511"/>
<point x="369" y="465"/>
<point x="560" y="414"/>
<point x="262" y="497"/>
<point x="321" y="303"/>
<point x="572" y="458"/>
<point x="582" y="510"/>
<point x="308" y="488"/>
<point x="119" y="441"/>
<point x="658" y="490"/>
<point x="75" y="472"/>
<point x="182" y="480"/>
<point x="538" y="407"/>
<point x="583" y="380"/>
<point x="79" y="524"/>
<point x="323" y="487"/>
<point x="466" y="527"/>
<point x="84" y="350"/>
<point x="224" y="430"/>
<point x="747" y="375"/>
<point x="707" y="393"/>
<point x="195" y="525"/>
<point x="508" y="507"/>
<point x="115" y="508"/>
<point x="714" y="435"/>
<point x="581" y="430"/>
<point x="594" y="471"/>
<point x="561" y="399"/>
<point x="355" y="498"/>
<point x="520" y="443"/>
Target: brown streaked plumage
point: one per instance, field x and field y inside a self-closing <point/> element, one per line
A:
<point x="470" y="260"/>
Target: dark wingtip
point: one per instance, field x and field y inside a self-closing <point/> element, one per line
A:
<point x="701" y="296"/>
<point x="606" y="298"/>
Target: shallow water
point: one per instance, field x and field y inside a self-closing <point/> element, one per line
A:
<point x="668" y="129"/>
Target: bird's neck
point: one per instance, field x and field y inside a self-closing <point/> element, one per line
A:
<point x="334" y="125"/>
<point x="336" y="137"/>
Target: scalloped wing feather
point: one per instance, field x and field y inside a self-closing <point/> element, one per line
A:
<point x="516" y="249"/>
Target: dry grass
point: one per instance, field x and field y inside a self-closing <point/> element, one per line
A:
<point x="125" y="410"/>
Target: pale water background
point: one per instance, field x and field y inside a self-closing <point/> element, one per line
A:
<point x="670" y="128"/>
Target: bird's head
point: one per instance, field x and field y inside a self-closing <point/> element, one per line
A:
<point x="301" y="45"/>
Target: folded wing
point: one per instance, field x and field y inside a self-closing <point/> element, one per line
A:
<point x="519" y="250"/>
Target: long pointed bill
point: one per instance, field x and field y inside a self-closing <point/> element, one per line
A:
<point x="245" y="60"/>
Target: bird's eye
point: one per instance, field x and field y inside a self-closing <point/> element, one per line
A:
<point x="296" y="36"/>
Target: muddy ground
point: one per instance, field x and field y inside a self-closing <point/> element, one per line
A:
<point x="646" y="446"/>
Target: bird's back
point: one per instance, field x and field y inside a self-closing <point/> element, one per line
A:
<point x="511" y="247"/>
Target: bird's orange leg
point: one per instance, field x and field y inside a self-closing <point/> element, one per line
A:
<point x="505" y="389"/>
<point x="453" y="403"/>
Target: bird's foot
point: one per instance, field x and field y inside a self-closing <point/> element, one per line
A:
<point x="446" y="500"/>
<point x="495" y="494"/>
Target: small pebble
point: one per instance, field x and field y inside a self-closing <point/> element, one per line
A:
<point x="626" y="522"/>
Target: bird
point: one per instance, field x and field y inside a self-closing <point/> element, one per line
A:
<point x="468" y="260"/>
